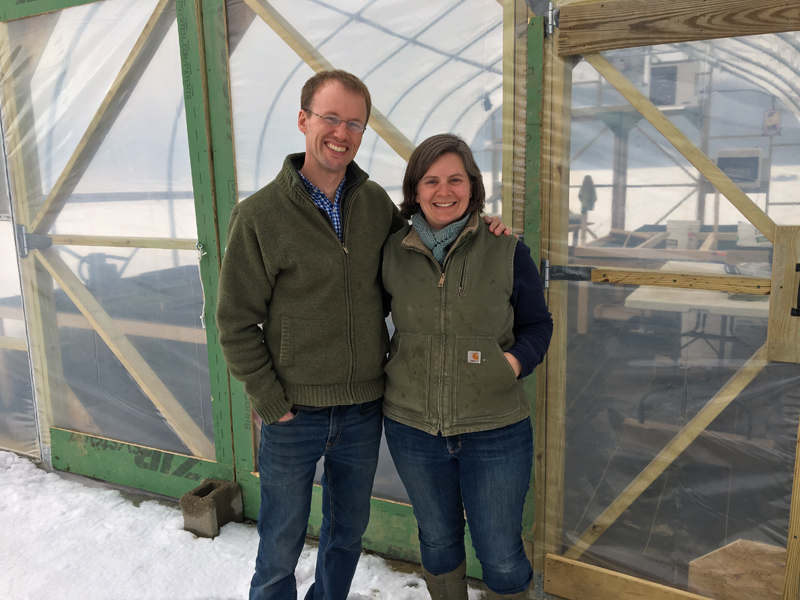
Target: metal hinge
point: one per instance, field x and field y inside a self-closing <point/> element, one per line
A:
<point x="544" y="8"/>
<point x="551" y="20"/>
<point x="550" y="273"/>
<point x="30" y="241"/>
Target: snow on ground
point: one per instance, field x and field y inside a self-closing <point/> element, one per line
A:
<point x="60" y="539"/>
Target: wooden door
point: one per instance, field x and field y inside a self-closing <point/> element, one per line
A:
<point x="680" y="378"/>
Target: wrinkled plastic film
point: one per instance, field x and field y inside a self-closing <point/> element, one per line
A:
<point x="17" y="409"/>
<point x="644" y="363"/>
<point x="138" y="371"/>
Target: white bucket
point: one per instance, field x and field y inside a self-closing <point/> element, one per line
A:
<point x="682" y="235"/>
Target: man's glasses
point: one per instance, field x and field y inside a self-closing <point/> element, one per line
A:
<point x="353" y="126"/>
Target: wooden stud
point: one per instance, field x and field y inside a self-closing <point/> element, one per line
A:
<point x="124" y="242"/>
<point x="783" y="334"/>
<point x="13" y="343"/>
<point x="177" y="417"/>
<point x="654" y="240"/>
<point x="610" y="24"/>
<point x="314" y="59"/>
<point x="734" y="284"/>
<point x="161" y="331"/>
<point x="671" y="451"/>
<point x="555" y="194"/>
<point x="791" y="584"/>
<point x="639" y="253"/>
<point x="509" y="47"/>
<point x="143" y="50"/>
<point x="574" y="580"/>
<point x="683" y="145"/>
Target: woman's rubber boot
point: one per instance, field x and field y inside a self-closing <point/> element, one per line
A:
<point x="518" y="596"/>
<point x="450" y="586"/>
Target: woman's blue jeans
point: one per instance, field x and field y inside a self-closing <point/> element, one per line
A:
<point x="348" y="437"/>
<point x="485" y="474"/>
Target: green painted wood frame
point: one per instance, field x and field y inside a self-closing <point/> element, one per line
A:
<point x="19" y="9"/>
<point x="69" y="449"/>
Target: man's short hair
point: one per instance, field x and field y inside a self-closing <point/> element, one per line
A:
<point x="348" y="81"/>
<point x="427" y="153"/>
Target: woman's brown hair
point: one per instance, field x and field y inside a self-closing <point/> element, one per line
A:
<point x="427" y="153"/>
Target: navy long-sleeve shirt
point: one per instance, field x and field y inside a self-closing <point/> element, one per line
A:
<point x="533" y="325"/>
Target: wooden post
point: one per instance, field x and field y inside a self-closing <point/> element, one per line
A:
<point x="555" y="225"/>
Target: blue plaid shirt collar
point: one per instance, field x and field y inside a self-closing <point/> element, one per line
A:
<point x="332" y="209"/>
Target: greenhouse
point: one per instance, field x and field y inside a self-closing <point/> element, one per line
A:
<point x="647" y="151"/>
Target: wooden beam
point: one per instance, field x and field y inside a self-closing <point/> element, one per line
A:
<point x="654" y="241"/>
<point x="574" y="580"/>
<point x="124" y="242"/>
<point x="556" y="129"/>
<point x="13" y="343"/>
<point x="783" y="333"/>
<point x="639" y="253"/>
<point x="735" y="284"/>
<point x="117" y="96"/>
<point x="610" y="24"/>
<point x="671" y="451"/>
<point x="682" y="144"/>
<point x="314" y="59"/>
<point x="161" y="331"/>
<point x="791" y="584"/>
<point x="176" y="416"/>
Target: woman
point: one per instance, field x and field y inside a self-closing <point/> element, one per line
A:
<point x="470" y="322"/>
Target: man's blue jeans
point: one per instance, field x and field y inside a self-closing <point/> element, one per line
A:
<point x="486" y="474"/>
<point x="349" y="438"/>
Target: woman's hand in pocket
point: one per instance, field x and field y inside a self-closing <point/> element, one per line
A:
<point x="512" y="360"/>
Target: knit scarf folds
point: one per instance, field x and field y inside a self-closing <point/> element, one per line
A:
<point x="439" y="241"/>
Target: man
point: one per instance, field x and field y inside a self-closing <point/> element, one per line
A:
<point x="301" y="324"/>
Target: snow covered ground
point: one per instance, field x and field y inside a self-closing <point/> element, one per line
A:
<point x="61" y="539"/>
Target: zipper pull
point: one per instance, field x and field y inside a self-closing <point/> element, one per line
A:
<point x="345" y="249"/>
<point x="441" y="281"/>
<point x="459" y="291"/>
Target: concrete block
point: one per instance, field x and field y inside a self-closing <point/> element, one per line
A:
<point x="211" y="505"/>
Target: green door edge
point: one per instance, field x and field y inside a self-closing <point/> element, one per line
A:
<point x="533" y="213"/>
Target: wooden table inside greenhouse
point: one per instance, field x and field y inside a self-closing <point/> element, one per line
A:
<point x="684" y="301"/>
<point x="703" y="302"/>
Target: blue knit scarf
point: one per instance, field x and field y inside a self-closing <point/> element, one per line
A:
<point x="438" y="240"/>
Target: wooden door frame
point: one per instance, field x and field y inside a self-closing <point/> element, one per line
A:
<point x="588" y="27"/>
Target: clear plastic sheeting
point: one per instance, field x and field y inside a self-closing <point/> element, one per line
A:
<point x="680" y="436"/>
<point x="633" y="196"/>
<point x="159" y="312"/>
<point x="635" y="378"/>
<point x="17" y="409"/>
<point x="99" y="166"/>
<point x="430" y="68"/>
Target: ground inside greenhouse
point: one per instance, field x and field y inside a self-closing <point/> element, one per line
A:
<point x="68" y="537"/>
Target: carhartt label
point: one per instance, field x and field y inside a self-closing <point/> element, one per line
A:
<point x="473" y="356"/>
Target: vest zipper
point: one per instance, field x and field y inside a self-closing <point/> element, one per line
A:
<point x="463" y="271"/>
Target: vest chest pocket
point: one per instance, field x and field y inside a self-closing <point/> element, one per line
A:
<point x="486" y="385"/>
<point x="408" y="373"/>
